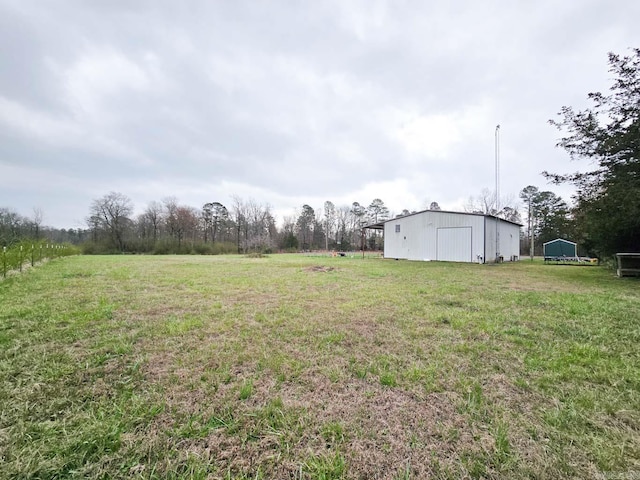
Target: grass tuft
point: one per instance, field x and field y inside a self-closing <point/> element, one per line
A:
<point x="246" y="390"/>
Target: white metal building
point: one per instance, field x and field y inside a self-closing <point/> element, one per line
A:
<point x="451" y="237"/>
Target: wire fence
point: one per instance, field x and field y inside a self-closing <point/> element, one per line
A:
<point x="17" y="256"/>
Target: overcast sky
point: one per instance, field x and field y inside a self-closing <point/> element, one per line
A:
<point x="292" y="102"/>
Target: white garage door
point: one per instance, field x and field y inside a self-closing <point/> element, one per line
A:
<point x="454" y="244"/>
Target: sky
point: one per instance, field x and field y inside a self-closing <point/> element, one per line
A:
<point x="293" y="102"/>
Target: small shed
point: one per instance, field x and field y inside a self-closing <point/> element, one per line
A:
<point x="560" y="248"/>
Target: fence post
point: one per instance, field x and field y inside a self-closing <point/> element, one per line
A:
<point x="32" y="261"/>
<point x="40" y="253"/>
<point x="20" y="258"/>
<point x="4" y="262"/>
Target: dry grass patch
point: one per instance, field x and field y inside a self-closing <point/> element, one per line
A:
<point x="320" y="268"/>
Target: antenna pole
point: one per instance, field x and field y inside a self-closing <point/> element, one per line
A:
<point x="497" y="202"/>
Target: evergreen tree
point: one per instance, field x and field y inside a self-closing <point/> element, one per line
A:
<point x="607" y="209"/>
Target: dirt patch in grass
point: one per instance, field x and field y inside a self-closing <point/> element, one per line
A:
<point x="320" y="268"/>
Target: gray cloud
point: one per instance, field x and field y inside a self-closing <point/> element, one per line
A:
<point x="290" y="103"/>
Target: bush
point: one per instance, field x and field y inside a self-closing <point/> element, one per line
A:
<point x="221" y="248"/>
<point x="97" y="248"/>
<point x="255" y="255"/>
<point x="203" y="249"/>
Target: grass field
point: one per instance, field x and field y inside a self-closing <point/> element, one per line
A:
<point x="318" y="368"/>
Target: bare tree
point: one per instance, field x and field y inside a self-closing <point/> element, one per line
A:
<point x="261" y="226"/>
<point x="510" y="214"/>
<point x="485" y="203"/>
<point x="329" y="221"/>
<point x="186" y="223"/>
<point x="319" y="237"/>
<point x="153" y="215"/>
<point x="288" y="240"/>
<point x="112" y="213"/>
<point x="239" y="217"/>
<point x="12" y="226"/>
<point x="357" y="216"/>
<point x="171" y="216"/>
<point x="342" y="223"/>
<point x="38" y="217"/>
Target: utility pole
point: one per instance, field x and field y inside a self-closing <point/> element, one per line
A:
<point x="530" y="229"/>
<point x="326" y="234"/>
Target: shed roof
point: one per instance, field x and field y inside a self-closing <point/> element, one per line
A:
<point x="375" y="226"/>
<point x="380" y="225"/>
<point x="559" y="240"/>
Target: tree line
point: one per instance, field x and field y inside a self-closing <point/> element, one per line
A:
<point x="14" y="228"/>
<point x="167" y="226"/>
<point x="243" y="226"/>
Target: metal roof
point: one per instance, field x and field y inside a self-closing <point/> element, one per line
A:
<point x="375" y="226"/>
<point x="380" y="225"/>
<point x="559" y="240"/>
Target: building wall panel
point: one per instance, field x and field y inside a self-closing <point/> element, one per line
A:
<point x="508" y="240"/>
<point x="454" y="244"/>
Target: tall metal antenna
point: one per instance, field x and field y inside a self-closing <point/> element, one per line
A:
<point x="497" y="202"/>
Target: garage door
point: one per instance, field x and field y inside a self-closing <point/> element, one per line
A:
<point x="454" y="244"/>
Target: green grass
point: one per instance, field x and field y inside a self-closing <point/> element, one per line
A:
<point x="289" y="366"/>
